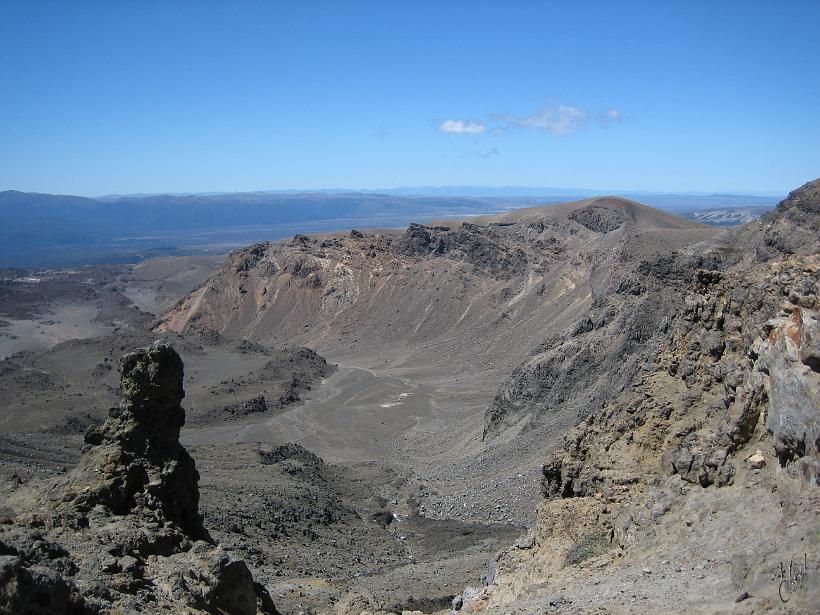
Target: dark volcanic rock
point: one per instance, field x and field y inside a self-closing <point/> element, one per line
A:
<point x="135" y="457"/>
<point x="417" y="240"/>
<point x="289" y="450"/>
<point x="598" y="219"/>
<point x="790" y="228"/>
<point x="486" y="248"/>
<point x="122" y="531"/>
<point x="31" y="589"/>
<point x="253" y="405"/>
<point x="574" y="373"/>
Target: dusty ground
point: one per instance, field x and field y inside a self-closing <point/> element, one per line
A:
<point x="312" y="529"/>
<point x="388" y="508"/>
<point x="425" y="325"/>
<point x="413" y="425"/>
<point x="39" y="309"/>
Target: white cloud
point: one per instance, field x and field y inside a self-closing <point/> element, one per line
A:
<point x="461" y="127"/>
<point x="560" y="121"/>
<point x="610" y="116"/>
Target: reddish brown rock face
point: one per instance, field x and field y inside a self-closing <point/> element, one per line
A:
<point x="788" y="360"/>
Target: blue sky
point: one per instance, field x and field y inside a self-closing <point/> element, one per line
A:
<point x="123" y="97"/>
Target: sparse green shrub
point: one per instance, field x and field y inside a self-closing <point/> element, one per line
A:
<point x="588" y="546"/>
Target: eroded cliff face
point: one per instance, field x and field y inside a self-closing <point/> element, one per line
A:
<point x="726" y="370"/>
<point x="487" y="290"/>
<point x="693" y="487"/>
<point x="122" y="530"/>
<point x="283" y="288"/>
<point x="584" y="367"/>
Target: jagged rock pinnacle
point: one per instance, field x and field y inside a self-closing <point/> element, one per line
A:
<point x="134" y="460"/>
<point x="149" y="416"/>
<point x="136" y="541"/>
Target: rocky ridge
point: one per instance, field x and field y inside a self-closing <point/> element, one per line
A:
<point x="588" y="364"/>
<point x="122" y="530"/>
<point x="503" y="279"/>
<point x="706" y="459"/>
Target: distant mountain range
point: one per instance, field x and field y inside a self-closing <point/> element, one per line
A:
<point x="45" y="230"/>
<point x="478" y="191"/>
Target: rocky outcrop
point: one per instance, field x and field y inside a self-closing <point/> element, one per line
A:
<point x="788" y="354"/>
<point x="123" y="529"/>
<point x="717" y="430"/>
<point x="724" y="368"/>
<point x="487" y="248"/>
<point x="732" y="393"/>
<point x="134" y="460"/>
<point x="597" y="358"/>
<point x="31" y="583"/>
<point x="791" y="228"/>
<point x="206" y="577"/>
<point x="597" y="218"/>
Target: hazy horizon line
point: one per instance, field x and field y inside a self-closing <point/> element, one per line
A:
<point x="448" y="190"/>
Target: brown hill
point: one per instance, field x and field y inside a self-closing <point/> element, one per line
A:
<point x="501" y="280"/>
<point x="426" y="323"/>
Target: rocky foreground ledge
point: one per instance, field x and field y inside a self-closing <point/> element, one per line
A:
<point x="694" y="489"/>
<point x="122" y="532"/>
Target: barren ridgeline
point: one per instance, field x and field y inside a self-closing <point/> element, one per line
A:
<point x="588" y="407"/>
